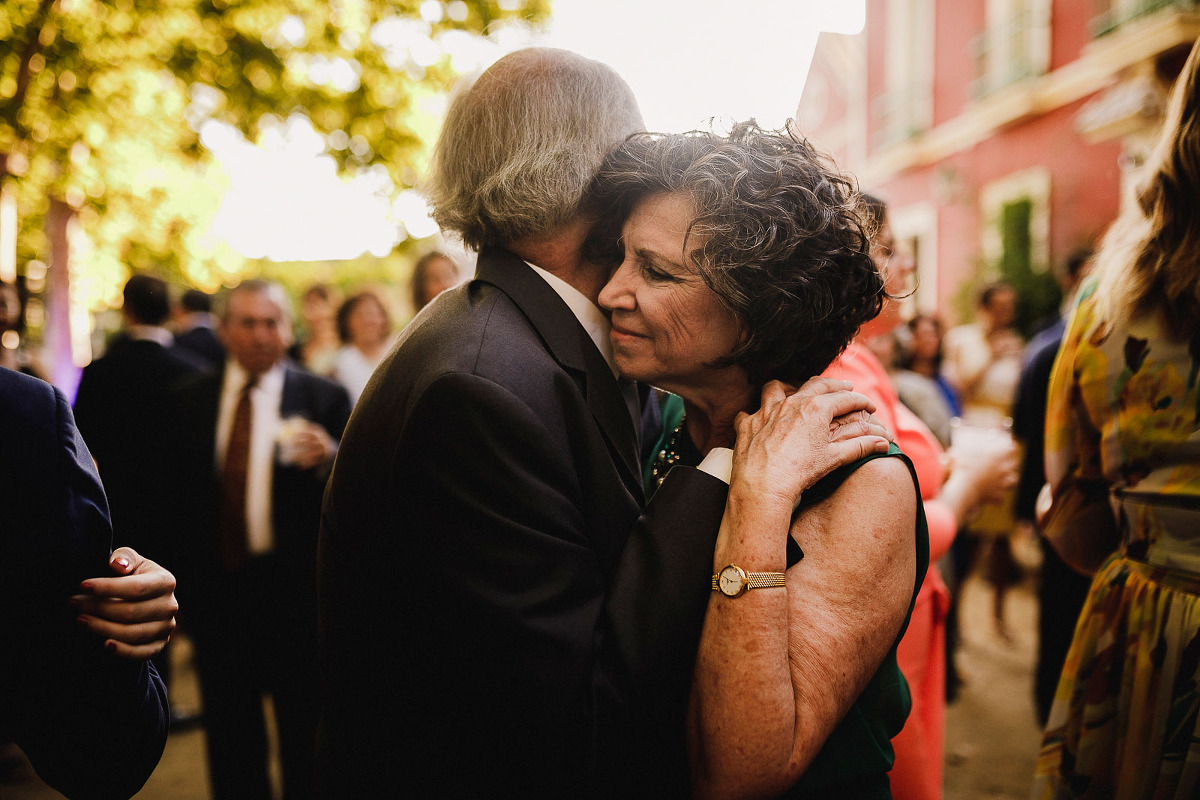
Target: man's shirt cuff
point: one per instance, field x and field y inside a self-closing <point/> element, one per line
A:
<point x="718" y="463"/>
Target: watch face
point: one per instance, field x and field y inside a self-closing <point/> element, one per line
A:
<point x="732" y="581"/>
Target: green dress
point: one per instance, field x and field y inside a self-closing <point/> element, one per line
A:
<point x="858" y="754"/>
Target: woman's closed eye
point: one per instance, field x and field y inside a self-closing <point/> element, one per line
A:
<point x="654" y="273"/>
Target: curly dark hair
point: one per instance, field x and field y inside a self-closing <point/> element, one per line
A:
<point x="781" y="235"/>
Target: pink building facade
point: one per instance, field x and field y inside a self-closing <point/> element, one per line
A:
<point x="1003" y="133"/>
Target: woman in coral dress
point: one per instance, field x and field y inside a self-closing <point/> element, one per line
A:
<point x="917" y="772"/>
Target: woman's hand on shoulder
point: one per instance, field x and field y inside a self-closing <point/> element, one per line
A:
<point x="799" y="436"/>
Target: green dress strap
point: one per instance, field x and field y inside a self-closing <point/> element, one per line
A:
<point x="855" y="759"/>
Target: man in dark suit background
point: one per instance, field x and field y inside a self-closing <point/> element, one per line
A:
<point x="256" y="440"/>
<point x="195" y="327"/>
<point x="125" y="410"/>
<point x="92" y="724"/>
<point x="1061" y="590"/>
<point x="487" y="619"/>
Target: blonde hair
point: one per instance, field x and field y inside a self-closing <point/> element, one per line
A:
<point x="521" y="142"/>
<point x="1150" y="258"/>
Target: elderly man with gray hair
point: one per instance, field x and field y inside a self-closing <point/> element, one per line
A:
<point x="489" y="623"/>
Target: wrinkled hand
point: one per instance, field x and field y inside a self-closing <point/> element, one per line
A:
<point x="310" y="445"/>
<point x="134" y="612"/>
<point x="799" y="436"/>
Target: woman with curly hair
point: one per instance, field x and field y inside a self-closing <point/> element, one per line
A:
<point x="1122" y="433"/>
<point x="743" y="270"/>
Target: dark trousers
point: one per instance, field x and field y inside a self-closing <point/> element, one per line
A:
<point x="1061" y="593"/>
<point x="257" y="636"/>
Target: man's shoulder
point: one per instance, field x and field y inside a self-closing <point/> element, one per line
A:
<point x="1049" y="338"/>
<point x="27" y="404"/>
<point x="141" y="360"/>
<point x="474" y="345"/>
<point x="35" y="421"/>
<point x="197" y="390"/>
<point x="313" y="385"/>
<point x="475" y="329"/>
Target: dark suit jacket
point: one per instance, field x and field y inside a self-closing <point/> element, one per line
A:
<point x="125" y="412"/>
<point x="203" y="342"/>
<point x="295" y="496"/>
<point x="1029" y="416"/>
<point x="487" y="620"/>
<point x="92" y="725"/>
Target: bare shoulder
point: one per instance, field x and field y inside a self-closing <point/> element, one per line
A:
<point x="885" y="481"/>
<point x="880" y="490"/>
<point x="864" y="531"/>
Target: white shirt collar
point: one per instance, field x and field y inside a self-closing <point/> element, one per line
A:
<point x="588" y="313"/>
<point x="270" y="381"/>
<point x="150" y="333"/>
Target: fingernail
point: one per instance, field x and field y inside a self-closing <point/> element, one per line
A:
<point x="110" y="646"/>
<point x="75" y="602"/>
<point x="882" y="446"/>
<point x="86" y="586"/>
<point x="121" y="561"/>
<point x="82" y="620"/>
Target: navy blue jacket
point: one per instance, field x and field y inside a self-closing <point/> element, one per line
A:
<point x="92" y="725"/>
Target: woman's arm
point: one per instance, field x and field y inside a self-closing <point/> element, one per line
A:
<point x="1080" y="523"/>
<point x="778" y="668"/>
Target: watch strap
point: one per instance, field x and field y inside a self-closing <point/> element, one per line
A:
<point x="755" y="580"/>
<point x="765" y="580"/>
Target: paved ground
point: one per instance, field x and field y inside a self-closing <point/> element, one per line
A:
<point x="991" y="737"/>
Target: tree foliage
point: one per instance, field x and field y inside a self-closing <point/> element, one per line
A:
<point x="102" y="102"/>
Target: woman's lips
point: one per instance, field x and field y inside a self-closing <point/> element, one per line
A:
<point x="624" y="333"/>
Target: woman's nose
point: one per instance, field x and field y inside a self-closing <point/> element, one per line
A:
<point x="617" y="293"/>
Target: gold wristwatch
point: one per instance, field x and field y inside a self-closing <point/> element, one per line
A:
<point x="732" y="580"/>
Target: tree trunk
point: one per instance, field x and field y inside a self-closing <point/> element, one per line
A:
<point x="57" y="347"/>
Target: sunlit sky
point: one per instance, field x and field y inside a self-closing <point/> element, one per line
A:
<point x="688" y="61"/>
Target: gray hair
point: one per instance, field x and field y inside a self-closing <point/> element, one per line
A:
<point x="273" y="291"/>
<point x="521" y="142"/>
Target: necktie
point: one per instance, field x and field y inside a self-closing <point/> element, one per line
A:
<point x="233" y="539"/>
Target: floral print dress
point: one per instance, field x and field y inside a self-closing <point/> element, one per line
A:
<point x="1123" y="415"/>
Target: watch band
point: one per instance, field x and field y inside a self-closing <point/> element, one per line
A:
<point x="749" y="580"/>
<point x="765" y="580"/>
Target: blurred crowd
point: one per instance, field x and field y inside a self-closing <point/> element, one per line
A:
<point x="166" y="402"/>
<point x="1069" y="453"/>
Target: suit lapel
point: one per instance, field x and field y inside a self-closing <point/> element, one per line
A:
<point x="571" y="346"/>
<point x="291" y="401"/>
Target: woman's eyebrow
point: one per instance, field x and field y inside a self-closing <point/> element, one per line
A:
<point x="657" y="259"/>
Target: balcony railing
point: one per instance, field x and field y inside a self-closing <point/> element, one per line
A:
<point x="1008" y="53"/>
<point x="899" y="114"/>
<point x="1112" y="14"/>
